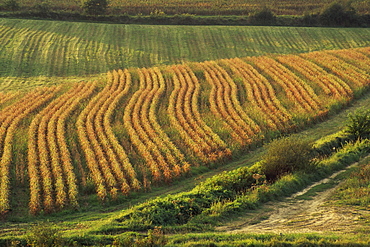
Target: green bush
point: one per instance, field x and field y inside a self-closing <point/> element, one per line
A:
<point x="359" y="124"/>
<point x="286" y="155"/>
<point x="263" y="17"/>
<point x="155" y="238"/>
<point x="11" y="5"/>
<point x="95" y="7"/>
<point x="44" y="235"/>
<point x="42" y="7"/>
<point x="338" y="15"/>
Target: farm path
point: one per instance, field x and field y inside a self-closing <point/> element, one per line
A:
<point x="303" y="212"/>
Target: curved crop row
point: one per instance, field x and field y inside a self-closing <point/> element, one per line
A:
<point x="225" y="104"/>
<point x="123" y="79"/>
<point x="296" y="89"/>
<point x="161" y="155"/>
<point x="185" y="117"/>
<point x="10" y="117"/>
<point x="339" y="67"/>
<point x="364" y="50"/>
<point x="354" y="56"/>
<point x="52" y="180"/>
<point x="108" y="163"/>
<point x="331" y="84"/>
<point x="261" y="94"/>
<point x="4" y="97"/>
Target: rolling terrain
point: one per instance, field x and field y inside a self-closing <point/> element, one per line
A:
<point x="35" y="53"/>
<point x="95" y="118"/>
<point x="149" y="126"/>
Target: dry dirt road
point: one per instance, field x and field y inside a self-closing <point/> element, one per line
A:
<point x="297" y="215"/>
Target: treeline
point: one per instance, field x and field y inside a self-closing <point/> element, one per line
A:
<point x="334" y="15"/>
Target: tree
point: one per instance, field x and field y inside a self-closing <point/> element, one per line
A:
<point x="286" y="155"/>
<point x="338" y="15"/>
<point x="263" y="17"/>
<point x="95" y="7"/>
<point x="12" y="5"/>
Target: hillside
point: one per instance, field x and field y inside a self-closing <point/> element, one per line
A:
<point x="150" y="126"/>
<point x="98" y="120"/>
<point x="38" y="53"/>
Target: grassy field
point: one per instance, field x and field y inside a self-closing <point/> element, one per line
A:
<point x="50" y="52"/>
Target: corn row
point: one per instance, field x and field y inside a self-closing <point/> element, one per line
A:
<point x="146" y="134"/>
<point x="65" y="155"/>
<point x="296" y="89"/>
<point x="224" y="102"/>
<point x="4" y="97"/>
<point x="138" y="136"/>
<point x="155" y="87"/>
<point x="190" y="77"/>
<point x="185" y="117"/>
<point x="49" y="157"/>
<point x="124" y="80"/>
<point x="106" y="171"/>
<point x="11" y="117"/>
<point x="354" y="56"/>
<point x="331" y="84"/>
<point x="339" y="67"/>
<point x="116" y="179"/>
<point x="261" y="94"/>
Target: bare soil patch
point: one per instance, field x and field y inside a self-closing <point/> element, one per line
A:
<point x="297" y="214"/>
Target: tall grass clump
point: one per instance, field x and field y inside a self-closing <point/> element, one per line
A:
<point x="286" y="155"/>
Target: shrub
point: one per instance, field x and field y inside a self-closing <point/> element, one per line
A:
<point x="95" y="7"/>
<point x="338" y="15"/>
<point x="43" y="7"/>
<point x="286" y="155"/>
<point x="359" y="124"/>
<point x="44" y="235"/>
<point x="12" y="5"/>
<point x="263" y="17"/>
<point x="155" y="238"/>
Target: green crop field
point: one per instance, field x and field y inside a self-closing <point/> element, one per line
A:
<point x="45" y="52"/>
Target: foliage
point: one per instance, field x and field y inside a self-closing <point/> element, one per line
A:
<point x="42" y="6"/>
<point x="12" y="5"/>
<point x="263" y="17"/>
<point x="286" y="155"/>
<point x="359" y="124"/>
<point x="95" y="7"/>
<point x="44" y="234"/>
<point x="338" y="15"/>
<point x="216" y="198"/>
<point x="155" y="238"/>
<point x="329" y="144"/>
<point x="180" y="208"/>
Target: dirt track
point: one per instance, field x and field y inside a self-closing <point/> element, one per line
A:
<point x="300" y="215"/>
